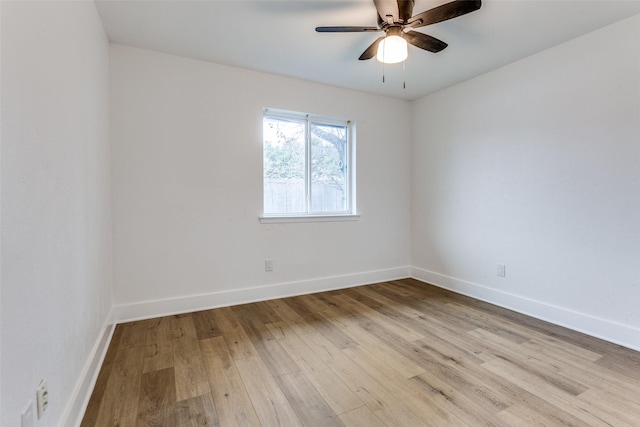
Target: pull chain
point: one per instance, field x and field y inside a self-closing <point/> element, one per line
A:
<point x="404" y="75"/>
<point x="384" y="50"/>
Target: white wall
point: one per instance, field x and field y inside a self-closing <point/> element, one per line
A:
<point x="187" y="187"/>
<point x="534" y="165"/>
<point x="55" y="184"/>
<point x="537" y="166"/>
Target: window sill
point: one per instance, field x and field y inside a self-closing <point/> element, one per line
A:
<point x="307" y="218"/>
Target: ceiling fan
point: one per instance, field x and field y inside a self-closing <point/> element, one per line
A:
<point x="394" y="18"/>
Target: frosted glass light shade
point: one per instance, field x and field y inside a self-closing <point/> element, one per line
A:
<point x="392" y="49"/>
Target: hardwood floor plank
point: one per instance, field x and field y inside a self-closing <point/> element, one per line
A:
<point x="524" y="416"/>
<point x="316" y="302"/>
<point x="326" y="298"/>
<point x="627" y="410"/>
<point x="159" y="345"/>
<point x="492" y="392"/>
<point x="443" y="336"/>
<point x="385" y="355"/>
<point x="624" y="363"/>
<point x="265" y="312"/>
<point x="361" y="417"/>
<point x="271" y="352"/>
<point x="490" y="322"/>
<point x="281" y="331"/>
<point x="559" y="354"/>
<point x="546" y="329"/>
<point x="399" y="353"/>
<point x="306" y="401"/>
<point x="425" y="408"/>
<point x="227" y="389"/>
<point x="568" y="348"/>
<point x="386" y="404"/>
<point x="310" y="309"/>
<point x="435" y="337"/>
<point x="479" y="387"/>
<point x="600" y="379"/>
<point x="205" y="324"/>
<point x="447" y="317"/>
<point x="283" y="309"/>
<point x="338" y="396"/>
<point x="470" y="378"/>
<point x="447" y="396"/>
<point x="297" y="322"/>
<point x="97" y="397"/>
<point x="191" y="378"/>
<point x="532" y="363"/>
<point x="449" y="311"/>
<point x="382" y="299"/>
<point x="398" y="287"/>
<point x="432" y="408"/>
<point x="414" y="288"/>
<point x="157" y="399"/>
<point x="120" y="400"/>
<point x="378" y="316"/>
<point x="237" y="340"/>
<point x="299" y="306"/>
<point x="397" y="414"/>
<point x="332" y="333"/>
<point x="590" y="415"/>
<point x="134" y="334"/>
<point x="269" y="402"/>
<point x="196" y="411"/>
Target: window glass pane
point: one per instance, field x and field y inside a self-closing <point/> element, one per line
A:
<point x="328" y="168"/>
<point x="284" y="161"/>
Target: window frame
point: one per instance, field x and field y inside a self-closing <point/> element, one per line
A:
<point x="349" y="213"/>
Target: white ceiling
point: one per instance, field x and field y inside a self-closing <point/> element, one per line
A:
<point x="278" y="37"/>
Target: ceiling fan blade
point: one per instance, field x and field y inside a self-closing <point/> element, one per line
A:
<point x="388" y="10"/>
<point x="405" y="9"/>
<point x="424" y="41"/>
<point x="346" y="29"/>
<point x="372" y="50"/>
<point x="445" y="12"/>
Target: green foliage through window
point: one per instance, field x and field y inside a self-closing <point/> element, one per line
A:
<point x="306" y="165"/>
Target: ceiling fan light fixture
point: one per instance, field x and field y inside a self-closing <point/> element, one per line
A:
<point x="392" y="49"/>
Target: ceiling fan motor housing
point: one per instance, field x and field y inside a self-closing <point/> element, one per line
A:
<point x="395" y="19"/>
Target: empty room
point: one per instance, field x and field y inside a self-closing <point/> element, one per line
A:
<point x="319" y="213"/>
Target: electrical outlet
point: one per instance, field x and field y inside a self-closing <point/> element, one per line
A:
<point x="502" y="270"/>
<point x="268" y="265"/>
<point x="42" y="394"/>
<point x="27" y="416"/>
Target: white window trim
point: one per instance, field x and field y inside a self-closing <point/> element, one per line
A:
<point x="348" y="215"/>
<point x="307" y="218"/>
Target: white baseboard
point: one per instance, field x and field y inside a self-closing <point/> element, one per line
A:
<point x="82" y="392"/>
<point x="607" y="330"/>
<point x="166" y="307"/>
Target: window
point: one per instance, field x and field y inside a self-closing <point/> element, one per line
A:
<point x="307" y="164"/>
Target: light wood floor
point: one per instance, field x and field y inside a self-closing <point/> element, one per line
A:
<point x="392" y="354"/>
